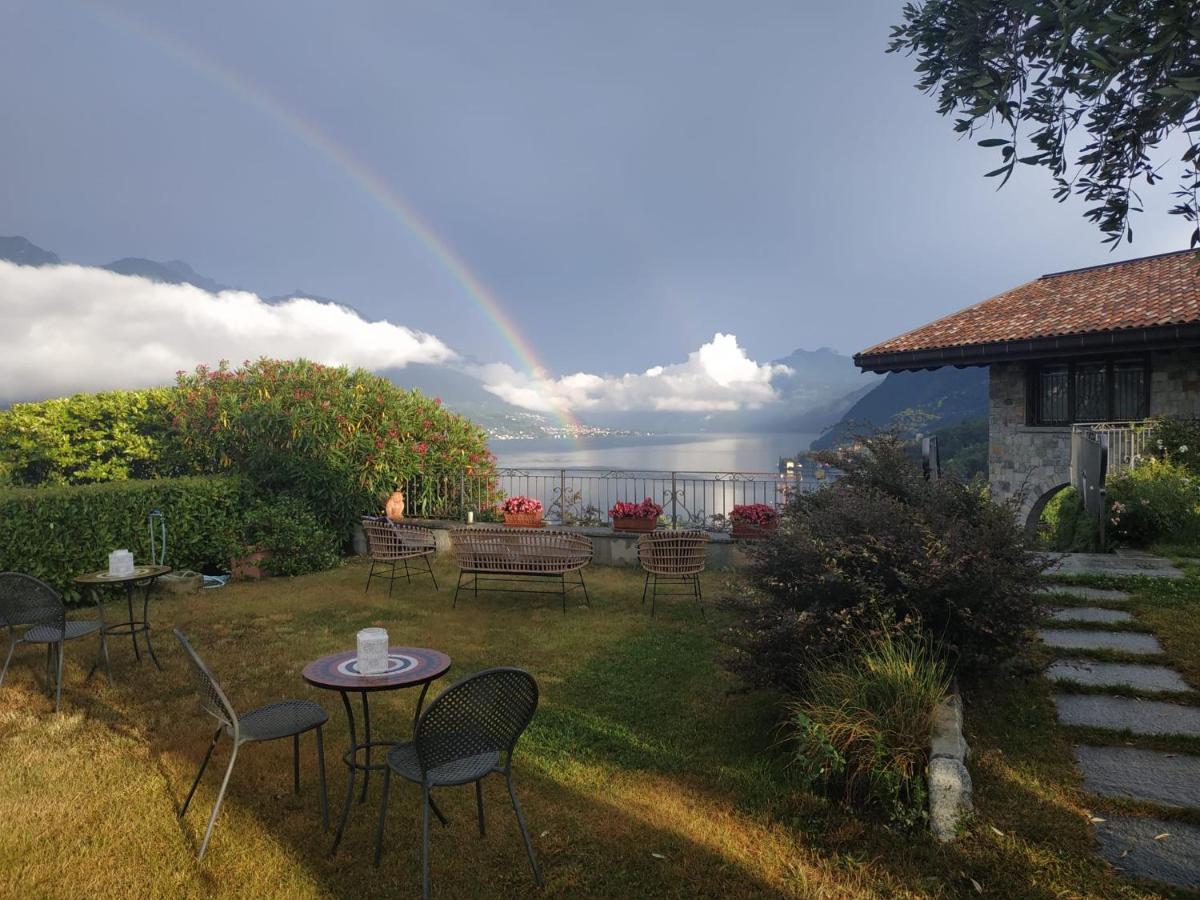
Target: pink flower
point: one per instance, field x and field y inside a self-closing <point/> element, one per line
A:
<point x="758" y="514"/>
<point x="521" y="504"/>
<point x="647" y="509"/>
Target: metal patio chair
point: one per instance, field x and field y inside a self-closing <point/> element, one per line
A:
<point x="466" y="734"/>
<point x="672" y="558"/>
<point x="29" y="602"/>
<point x="285" y="718"/>
<point x="391" y="543"/>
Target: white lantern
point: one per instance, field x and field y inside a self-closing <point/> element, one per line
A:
<point x="120" y="563"/>
<point x="372" y="651"/>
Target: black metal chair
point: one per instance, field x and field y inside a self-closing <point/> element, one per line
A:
<point x="466" y="734"/>
<point x="285" y="718"/>
<point x="30" y="602"/>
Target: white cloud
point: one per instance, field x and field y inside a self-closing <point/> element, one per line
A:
<point x="74" y="328"/>
<point x="717" y="377"/>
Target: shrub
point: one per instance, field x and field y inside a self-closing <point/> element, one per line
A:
<point x="60" y="532"/>
<point x="861" y="728"/>
<point x="86" y="438"/>
<point x="341" y="439"/>
<point x="883" y="545"/>
<point x="285" y="526"/>
<point x="1157" y="500"/>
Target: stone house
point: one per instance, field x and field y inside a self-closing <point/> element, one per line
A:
<point x="1101" y="348"/>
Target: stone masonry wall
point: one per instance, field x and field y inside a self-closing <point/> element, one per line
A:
<point x="1029" y="462"/>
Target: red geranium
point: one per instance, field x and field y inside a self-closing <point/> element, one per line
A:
<point x="522" y="505"/>
<point x="759" y="514"/>
<point x="647" y="509"/>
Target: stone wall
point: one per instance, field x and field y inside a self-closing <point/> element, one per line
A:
<point x="1030" y="463"/>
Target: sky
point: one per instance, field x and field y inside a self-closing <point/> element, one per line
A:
<point x="612" y="186"/>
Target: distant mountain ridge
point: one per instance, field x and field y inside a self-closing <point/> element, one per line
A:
<point x="174" y="271"/>
<point x="20" y="251"/>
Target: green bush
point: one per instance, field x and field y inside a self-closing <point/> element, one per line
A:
<point x="1158" y="500"/>
<point x="342" y="439"/>
<point x="285" y="526"/>
<point x="86" y="438"/>
<point x="1065" y="525"/>
<point x="59" y="532"/>
<point x="883" y="545"/>
<point x="861" y="728"/>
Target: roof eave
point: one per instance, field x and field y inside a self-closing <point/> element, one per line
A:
<point x="1160" y="337"/>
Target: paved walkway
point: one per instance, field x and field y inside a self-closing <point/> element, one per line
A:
<point x="1161" y="850"/>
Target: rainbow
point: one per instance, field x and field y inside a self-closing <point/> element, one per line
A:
<point x="372" y="183"/>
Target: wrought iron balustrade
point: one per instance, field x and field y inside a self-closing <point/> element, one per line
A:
<point x="583" y="496"/>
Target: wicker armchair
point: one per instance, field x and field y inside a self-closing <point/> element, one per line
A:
<point x="520" y="555"/>
<point x="672" y="558"/>
<point x="391" y="543"/>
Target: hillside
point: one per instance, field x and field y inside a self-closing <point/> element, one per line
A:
<point x="936" y="398"/>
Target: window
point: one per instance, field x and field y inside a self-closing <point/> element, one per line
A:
<point x="1114" y="390"/>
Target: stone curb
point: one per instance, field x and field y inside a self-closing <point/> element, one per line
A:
<point x="949" y="780"/>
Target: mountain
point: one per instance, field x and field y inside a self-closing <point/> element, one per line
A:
<point x="20" y="251"/>
<point x="174" y="271"/>
<point x="929" y="400"/>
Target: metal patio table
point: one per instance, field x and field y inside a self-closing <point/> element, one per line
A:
<point x="407" y="667"/>
<point x="143" y="575"/>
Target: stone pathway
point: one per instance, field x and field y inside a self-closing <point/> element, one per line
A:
<point x="1160" y="850"/>
<point x="1112" y="564"/>
<point x="1134" y="642"/>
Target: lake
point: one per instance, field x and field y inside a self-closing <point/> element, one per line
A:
<point x="677" y="452"/>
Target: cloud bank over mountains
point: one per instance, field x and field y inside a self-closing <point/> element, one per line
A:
<point x="719" y="377"/>
<point x="71" y="328"/>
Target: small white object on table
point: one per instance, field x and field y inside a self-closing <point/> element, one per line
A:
<point x="372" y="651"/>
<point x="120" y="563"/>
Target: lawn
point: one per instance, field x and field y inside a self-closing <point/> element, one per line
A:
<point x="647" y="772"/>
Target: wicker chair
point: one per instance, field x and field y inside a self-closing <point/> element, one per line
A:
<point x="285" y="718"/>
<point x="466" y="734"/>
<point x="672" y="558"/>
<point x="391" y="542"/>
<point x="29" y="602"/>
<point x="520" y="555"/>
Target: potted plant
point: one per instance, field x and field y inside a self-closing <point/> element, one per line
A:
<point x="635" y="516"/>
<point x="522" y="512"/>
<point x="753" y="520"/>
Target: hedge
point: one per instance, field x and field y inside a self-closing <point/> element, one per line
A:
<point x="57" y="533"/>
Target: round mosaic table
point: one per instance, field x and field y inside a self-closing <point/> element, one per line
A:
<point x="143" y="575"/>
<point x="407" y="667"/>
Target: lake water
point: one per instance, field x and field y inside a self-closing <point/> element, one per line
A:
<point x="679" y="452"/>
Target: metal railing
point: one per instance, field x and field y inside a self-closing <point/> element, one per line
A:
<point x="583" y="496"/>
<point x="1127" y="442"/>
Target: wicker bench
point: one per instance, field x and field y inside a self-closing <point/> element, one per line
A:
<point x="502" y="556"/>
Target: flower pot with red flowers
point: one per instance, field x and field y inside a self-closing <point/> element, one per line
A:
<point x="637" y="517"/>
<point x="522" y="512"/>
<point x="753" y="520"/>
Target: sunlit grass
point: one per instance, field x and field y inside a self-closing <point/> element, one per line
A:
<point x="647" y="772"/>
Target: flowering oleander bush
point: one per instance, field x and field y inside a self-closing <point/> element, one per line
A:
<point x="758" y="514"/>
<point x="521" y="504"/>
<point x="647" y="509"/>
<point x="339" y="438"/>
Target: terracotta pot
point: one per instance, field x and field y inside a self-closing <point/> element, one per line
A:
<point x="632" y="523"/>
<point x="395" y="505"/>
<point x="523" y="520"/>
<point x="751" y="532"/>
<point x="247" y="566"/>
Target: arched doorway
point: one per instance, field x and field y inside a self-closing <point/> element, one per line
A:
<point x="1033" y="512"/>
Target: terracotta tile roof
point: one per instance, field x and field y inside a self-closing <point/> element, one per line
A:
<point x="1138" y="293"/>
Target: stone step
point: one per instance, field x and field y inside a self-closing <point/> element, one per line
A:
<point x="1125" y="641"/>
<point x="1111" y="564"/>
<point x="1130" y="845"/>
<point x="1089" y="614"/>
<point x="1102" y="595"/>
<point x="1168" y="779"/>
<point x="1101" y="674"/>
<point x="1126" y="714"/>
